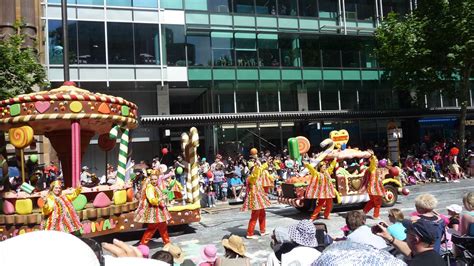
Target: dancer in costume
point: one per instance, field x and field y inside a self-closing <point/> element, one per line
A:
<point x="256" y="200"/>
<point x="268" y="180"/>
<point x="375" y="188"/>
<point x="152" y="211"/>
<point x="321" y="187"/>
<point x="58" y="212"/>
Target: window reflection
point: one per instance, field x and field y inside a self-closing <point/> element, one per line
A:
<point x="268" y="96"/>
<point x="328" y="9"/>
<point x="174" y="45"/>
<point x="329" y="95"/>
<point x="120" y="45"/>
<point x="268" y="50"/>
<point x="360" y="10"/>
<point x="224" y="93"/>
<point x="246" y="51"/>
<point x="289" y="95"/>
<point x="331" y="52"/>
<point x="312" y="89"/>
<point x="398" y="6"/>
<point x="56" y="47"/>
<point x="287" y="7"/>
<point x="308" y="8"/>
<point x="290" y="51"/>
<point x="219" y="6"/>
<point x="147" y="44"/>
<point x="310" y="51"/>
<point x="119" y="2"/>
<point x="349" y="95"/>
<point x="267" y="7"/>
<point x="246" y="97"/>
<point x="199" y="50"/>
<point x="244" y="6"/>
<point x="92" y="43"/>
<point x="222" y="48"/>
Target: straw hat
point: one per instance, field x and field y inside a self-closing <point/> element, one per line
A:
<point x="235" y="243"/>
<point x="175" y="251"/>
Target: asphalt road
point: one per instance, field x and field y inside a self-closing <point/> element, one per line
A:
<point x="216" y="223"/>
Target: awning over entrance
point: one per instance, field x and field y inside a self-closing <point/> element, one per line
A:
<point x="230" y="118"/>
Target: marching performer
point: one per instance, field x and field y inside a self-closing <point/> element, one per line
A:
<point x="321" y="187"/>
<point x="256" y="200"/>
<point x="58" y="212"/>
<point x="375" y="188"/>
<point x="152" y="211"/>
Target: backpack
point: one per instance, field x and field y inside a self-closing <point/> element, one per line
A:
<point x="441" y="230"/>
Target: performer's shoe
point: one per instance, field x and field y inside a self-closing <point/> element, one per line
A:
<point x="327" y="218"/>
<point x="252" y="237"/>
<point x="264" y="233"/>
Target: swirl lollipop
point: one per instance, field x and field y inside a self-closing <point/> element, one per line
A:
<point x="21" y="137"/>
<point x="303" y="144"/>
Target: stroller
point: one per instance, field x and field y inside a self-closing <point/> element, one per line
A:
<point x="465" y="246"/>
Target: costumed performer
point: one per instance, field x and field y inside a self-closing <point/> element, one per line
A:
<point x="268" y="180"/>
<point x="375" y="188"/>
<point x="152" y="211"/>
<point x="256" y="200"/>
<point x="321" y="187"/>
<point x="58" y="211"/>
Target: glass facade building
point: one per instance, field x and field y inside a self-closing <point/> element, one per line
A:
<point x="179" y="58"/>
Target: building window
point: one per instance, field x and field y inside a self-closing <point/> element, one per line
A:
<point x="348" y="95"/>
<point x="330" y="95"/>
<point x="199" y="50"/>
<point x="367" y="95"/>
<point x="290" y="51"/>
<point x="119" y="2"/>
<point x="308" y="8"/>
<point x="268" y="96"/>
<point x="90" y="2"/>
<point x="120" y="41"/>
<point x="367" y="54"/>
<point x="174" y="44"/>
<point x="289" y="95"/>
<point x="310" y="51"/>
<point x="91" y="43"/>
<point x="401" y="7"/>
<point x="219" y="6"/>
<point x="222" y="48"/>
<point x="145" y="3"/>
<point x="244" y="6"/>
<point x="312" y="89"/>
<point x="331" y="52"/>
<point x="55" y="38"/>
<point x="360" y="10"/>
<point x="245" y="49"/>
<point x="171" y="4"/>
<point x="224" y="96"/>
<point x="266" y="7"/>
<point x="268" y="49"/>
<point x="246" y="97"/>
<point x="147" y="44"/>
<point x="328" y="9"/>
<point x="287" y="7"/>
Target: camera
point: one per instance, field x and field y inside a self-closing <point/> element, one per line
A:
<point x="376" y="229"/>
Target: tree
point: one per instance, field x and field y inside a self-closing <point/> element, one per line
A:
<point x="431" y="49"/>
<point x="20" y="69"/>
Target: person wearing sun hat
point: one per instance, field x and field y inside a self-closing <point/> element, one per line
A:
<point x="208" y="255"/>
<point x="176" y="251"/>
<point x="234" y="247"/>
<point x="454" y="210"/>
<point x="303" y="237"/>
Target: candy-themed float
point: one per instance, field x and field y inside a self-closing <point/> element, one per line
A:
<point x="349" y="179"/>
<point x="70" y="117"/>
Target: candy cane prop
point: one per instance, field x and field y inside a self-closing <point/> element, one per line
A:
<point x="329" y="144"/>
<point x="189" y="144"/>
<point x="123" y="151"/>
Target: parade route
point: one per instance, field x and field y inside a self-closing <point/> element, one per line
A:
<point x="226" y="219"/>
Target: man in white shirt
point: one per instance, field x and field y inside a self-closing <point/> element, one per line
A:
<point x="361" y="233"/>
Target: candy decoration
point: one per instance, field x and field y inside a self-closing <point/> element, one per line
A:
<point x="130" y="194"/>
<point x="27" y="188"/>
<point x="8" y="207"/>
<point x="33" y="158"/>
<point x="454" y="151"/>
<point x="120" y="197"/>
<point x="339" y="137"/>
<point x="75" y="106"/>
<point x="76" y="152"/>
<point x="42" y="107"/>
<point x="68" y="116"/>
<point x="21" y="137"/>
<point x="303" y="144"/>
<point x="104" y="108"/>
<point x="123" y="153"/>
<point x="24" y="206"/>
<point x="189" y="144"/>
<point x="383" y="163"/>
<point x="253" y="151"/>
<point x="114" y="132"/>
<point x="79" y="203"/>
<point x="393" y="171"/>
<point x="106" y="143"/>
<point x="40" y="202"/>
<point x="101" y="201"/>
<point x="125" y="110"/>
<point x="293" y="148"/>
<point x="15" y="109"/>
<point x="179" y="170"/>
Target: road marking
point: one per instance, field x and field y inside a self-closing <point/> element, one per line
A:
<point x="443" y="190"/>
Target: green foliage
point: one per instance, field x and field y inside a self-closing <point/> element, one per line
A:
<point x="20" y="69"/>
<point x="430" y="49"/>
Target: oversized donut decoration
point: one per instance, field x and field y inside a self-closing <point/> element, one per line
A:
<point x="303" y="144"/>
<point x="106" y="143"/>
<point x="21" y="137"/>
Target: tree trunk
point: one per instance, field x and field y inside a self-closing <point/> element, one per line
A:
<point x="462" y="118"/>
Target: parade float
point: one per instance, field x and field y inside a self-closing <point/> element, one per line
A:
<point x="69" y="117"/>
<point x="350" y="178"/>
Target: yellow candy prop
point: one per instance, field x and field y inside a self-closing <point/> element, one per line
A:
<point x="24" y="206"/>
<point x="21" y="137"/>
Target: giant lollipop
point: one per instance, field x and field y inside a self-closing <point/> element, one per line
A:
<point x="21" y="137"/>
